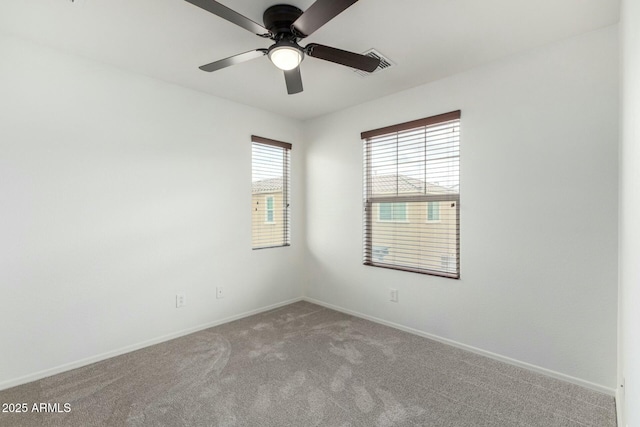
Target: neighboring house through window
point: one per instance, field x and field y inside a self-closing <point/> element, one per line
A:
<point x="412" y="196"/>
<point x="270" y="182"/>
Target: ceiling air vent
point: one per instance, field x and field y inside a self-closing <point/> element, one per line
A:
<point x="384" y="63"/>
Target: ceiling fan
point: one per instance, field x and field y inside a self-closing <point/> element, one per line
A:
<point x="286" y="25"/>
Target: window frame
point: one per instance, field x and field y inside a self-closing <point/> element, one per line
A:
<point x="369" y="258"/>
<point x="286" y="196"/>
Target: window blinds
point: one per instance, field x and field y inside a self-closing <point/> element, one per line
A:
<point x="412" y="196"/>
<point x="270" y="193"/>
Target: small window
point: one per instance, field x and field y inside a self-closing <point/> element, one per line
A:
<point x="269" y="210"/>
<point x="433" y="211"/>
<point x="270" y="173"/>
<point x="411" y="199"/>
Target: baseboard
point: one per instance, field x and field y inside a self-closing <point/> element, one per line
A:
<point x="620" y="406"/>
<point x="93" y="359"/>
<point x="87" y="361"/>
<point x="525" y="365"/>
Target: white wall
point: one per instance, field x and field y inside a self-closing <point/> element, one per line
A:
<point x="539" y="210"/>
<point x="116" y="192"/>
<point x="629" y="366"/>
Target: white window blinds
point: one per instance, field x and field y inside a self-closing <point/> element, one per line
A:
<point x="270" y="193"/>
<point x="412" y="196"/>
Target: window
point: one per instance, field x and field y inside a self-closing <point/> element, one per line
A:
<point x="411" y="203"/>
<point x="392" y="212"/>
<point x="269" y="210"/>
<point x="433" y="211"/>
<point x="269" y="193"/>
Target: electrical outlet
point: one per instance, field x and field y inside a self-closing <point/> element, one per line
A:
<point x="393" y="295"/>
<point x="181" y="300"/>
<point x="219" y="292"/>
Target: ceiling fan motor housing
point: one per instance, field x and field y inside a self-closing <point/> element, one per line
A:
<point x="278" y="19"/>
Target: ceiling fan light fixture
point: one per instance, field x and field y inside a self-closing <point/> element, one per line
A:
<point x="286" y="25"/>
<point x="286" y="57"/>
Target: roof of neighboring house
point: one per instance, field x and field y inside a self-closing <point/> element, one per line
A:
<point x="404" y="184"/>
<point x="270" y="185"/>
<point x="382" y="184"/>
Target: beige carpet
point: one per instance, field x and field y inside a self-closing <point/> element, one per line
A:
<point x="304" y="365"/>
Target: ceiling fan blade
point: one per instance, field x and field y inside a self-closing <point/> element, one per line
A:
<point x="233" y="60"/>
<point x="293" y="80"/>
<point x="319" y="13"/>
<point x="230" y="15"/>
<point x="342" y="57"/>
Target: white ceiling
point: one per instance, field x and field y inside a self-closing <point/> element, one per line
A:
<point x="427" y="39"/>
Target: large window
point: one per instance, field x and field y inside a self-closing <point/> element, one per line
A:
<point x="412" y="196"/>
<point x="269" y="193"/>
